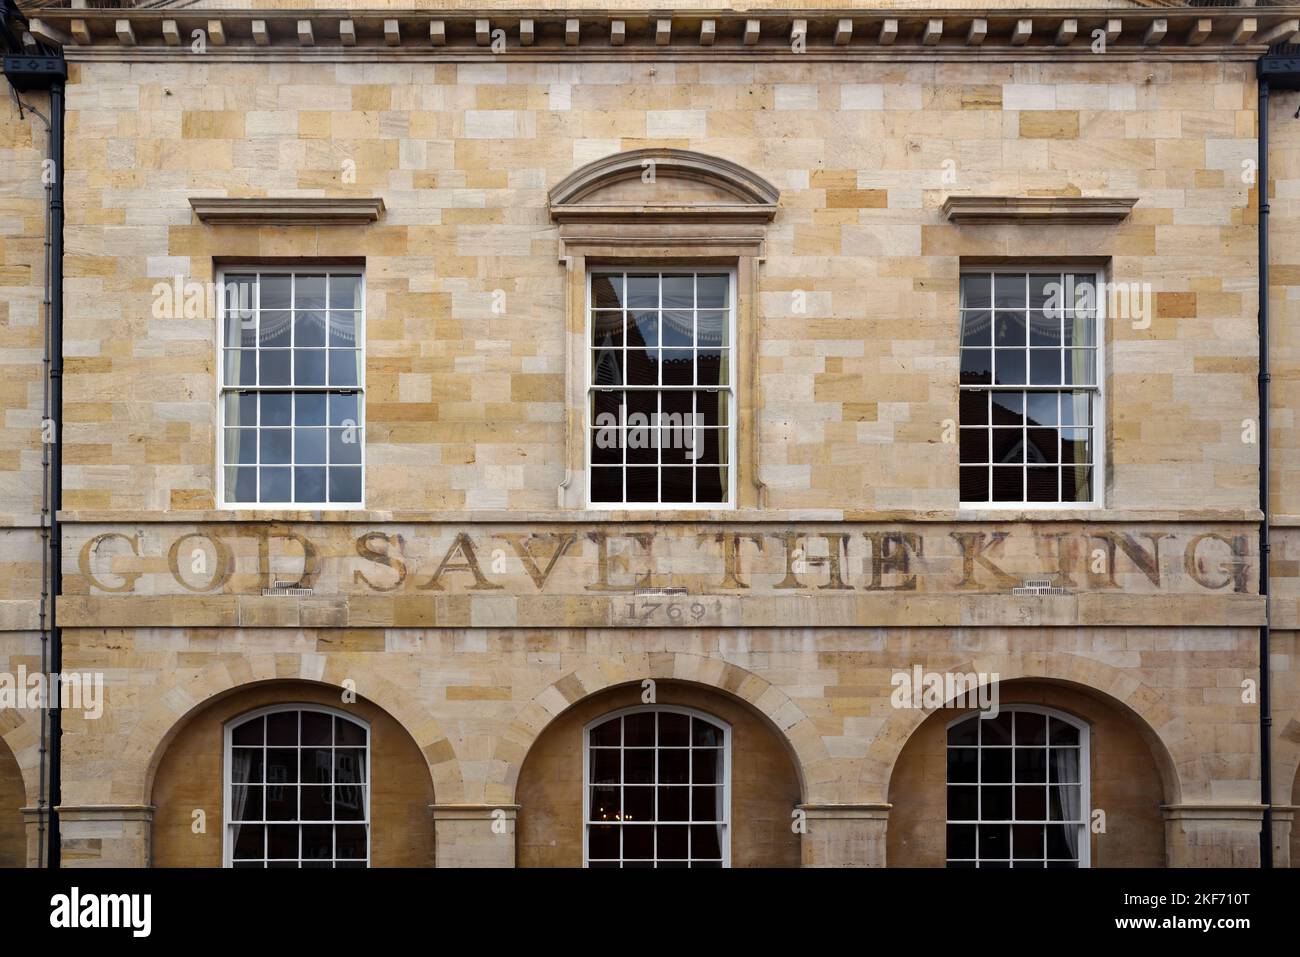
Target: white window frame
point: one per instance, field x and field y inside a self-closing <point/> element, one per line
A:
<point x="661" y="708"/>
<point x="223" y="389"/>
<point x="1099" y="428"/>
<point x="1085" y="781"/>
<point x="729" y="389"/>
<point x="228" y="785"/>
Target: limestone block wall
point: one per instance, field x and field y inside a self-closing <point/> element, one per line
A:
<point x="23" y="147"/>
<point x="854" y="390"/>
<point x="476" y="700"/>
<point x="856" y="318"/>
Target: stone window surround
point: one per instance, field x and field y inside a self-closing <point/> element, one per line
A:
<point x="728" y="231"/>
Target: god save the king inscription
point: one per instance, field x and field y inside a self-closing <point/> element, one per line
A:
<point x="691" y="560"/>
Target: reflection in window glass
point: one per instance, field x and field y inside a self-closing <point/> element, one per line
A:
<point x="291" y="429"/>
<point x="657" y="790"/>
<point x="1029" y="387"/>
<point x="1016" y="791"/>
<point x="662" y="396"/>
<point x="298" y="786"/>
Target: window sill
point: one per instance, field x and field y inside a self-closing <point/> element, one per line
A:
<point x="643" y="516"/>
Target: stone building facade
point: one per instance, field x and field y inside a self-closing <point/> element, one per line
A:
<point x="393" y="570"/>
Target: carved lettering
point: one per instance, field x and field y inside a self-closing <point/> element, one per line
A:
<point x="890" y="555"/>
<point x="604" y="560"/>
<point x="1147" y="562"/>
<point x="1235" y="572"/>
<point x="464" y="547"/>
<point x="93" y="546"/>
<point x="311" y="561"/>
<point x="523" y="547"/>
<point x="220" y="575"/>
<point x="731" y="562"/>
<point x="367" y="549"/>
<point x="973" y="548"/>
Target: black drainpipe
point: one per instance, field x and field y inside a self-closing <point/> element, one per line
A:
<point x="1265" y="708"/>
<point x="56" y="468"/>
<point x="1279" y="69"/>
<point x="30" y="64"/>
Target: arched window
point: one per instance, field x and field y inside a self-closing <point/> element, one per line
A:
<point x="1018" y="790"/>
<point x="297" y="783"/>
<point x="657" y="782"/>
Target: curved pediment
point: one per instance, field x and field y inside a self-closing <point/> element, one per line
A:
<point x="662" y="185"/>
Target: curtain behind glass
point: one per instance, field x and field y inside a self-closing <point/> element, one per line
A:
<point x="1065" y="767"/>
<point x="241" y="764"/>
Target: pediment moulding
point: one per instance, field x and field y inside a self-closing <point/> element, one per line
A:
<point x="662" y="185"/>
<point x="148" y="34"/>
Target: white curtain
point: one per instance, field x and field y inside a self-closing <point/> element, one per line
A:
<point x="1065" y="767"/>
<point x="241" y="764"/>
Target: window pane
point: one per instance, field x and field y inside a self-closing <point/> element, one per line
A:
<point x="976" y="291"/>
<point x="309" y="292"/>
<point x="276" y="366"/>
<point x="711" y="329"/>
<point x="976" y="366"/>
<point x="1009" y="290"/>
<point x="277" y="408"/>
<point x="1009" y="366"/>
<point x="976" y="328"/>
<point x="309" y="408"/>
<point x="1009" y="330"/>
<point x="676" y="329"/>
<point x="713" y="291"/>
<point x="276" y="330"/>
<point x="276" y="485"/>
<point x="344" y="484"/>
<point x="607" y="329"/>
<point x="642" y="290"/>
<point x="345" y="291"/>
<point x="309" y="329"/>
<point x="241" y="367"/>
<point x="345" y="446"/>
<point x="607" y="291"/>
<point x="343" y="409"/>
<point x="275" y="291"/>
<point x="344" y="367"/>
<point x="309" y="484"/>
<point x="309" y="366"/>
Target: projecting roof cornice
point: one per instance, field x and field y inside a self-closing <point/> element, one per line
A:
<point x="464" y="35"/>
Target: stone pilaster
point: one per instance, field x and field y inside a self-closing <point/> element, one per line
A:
<point x="35" y="819"/>
<point x="1283" y="822"/>
<point x="1212" y="835"/>
<point x="105" y="835"/>
<point x="474" y="835"/>
<point x="844" y="835"/>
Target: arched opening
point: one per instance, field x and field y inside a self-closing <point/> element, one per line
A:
<point x="612" y="756"/>
<point x="13" y="797"/>
<point x="244" y="735"/>
<point x="960" y="789"/>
